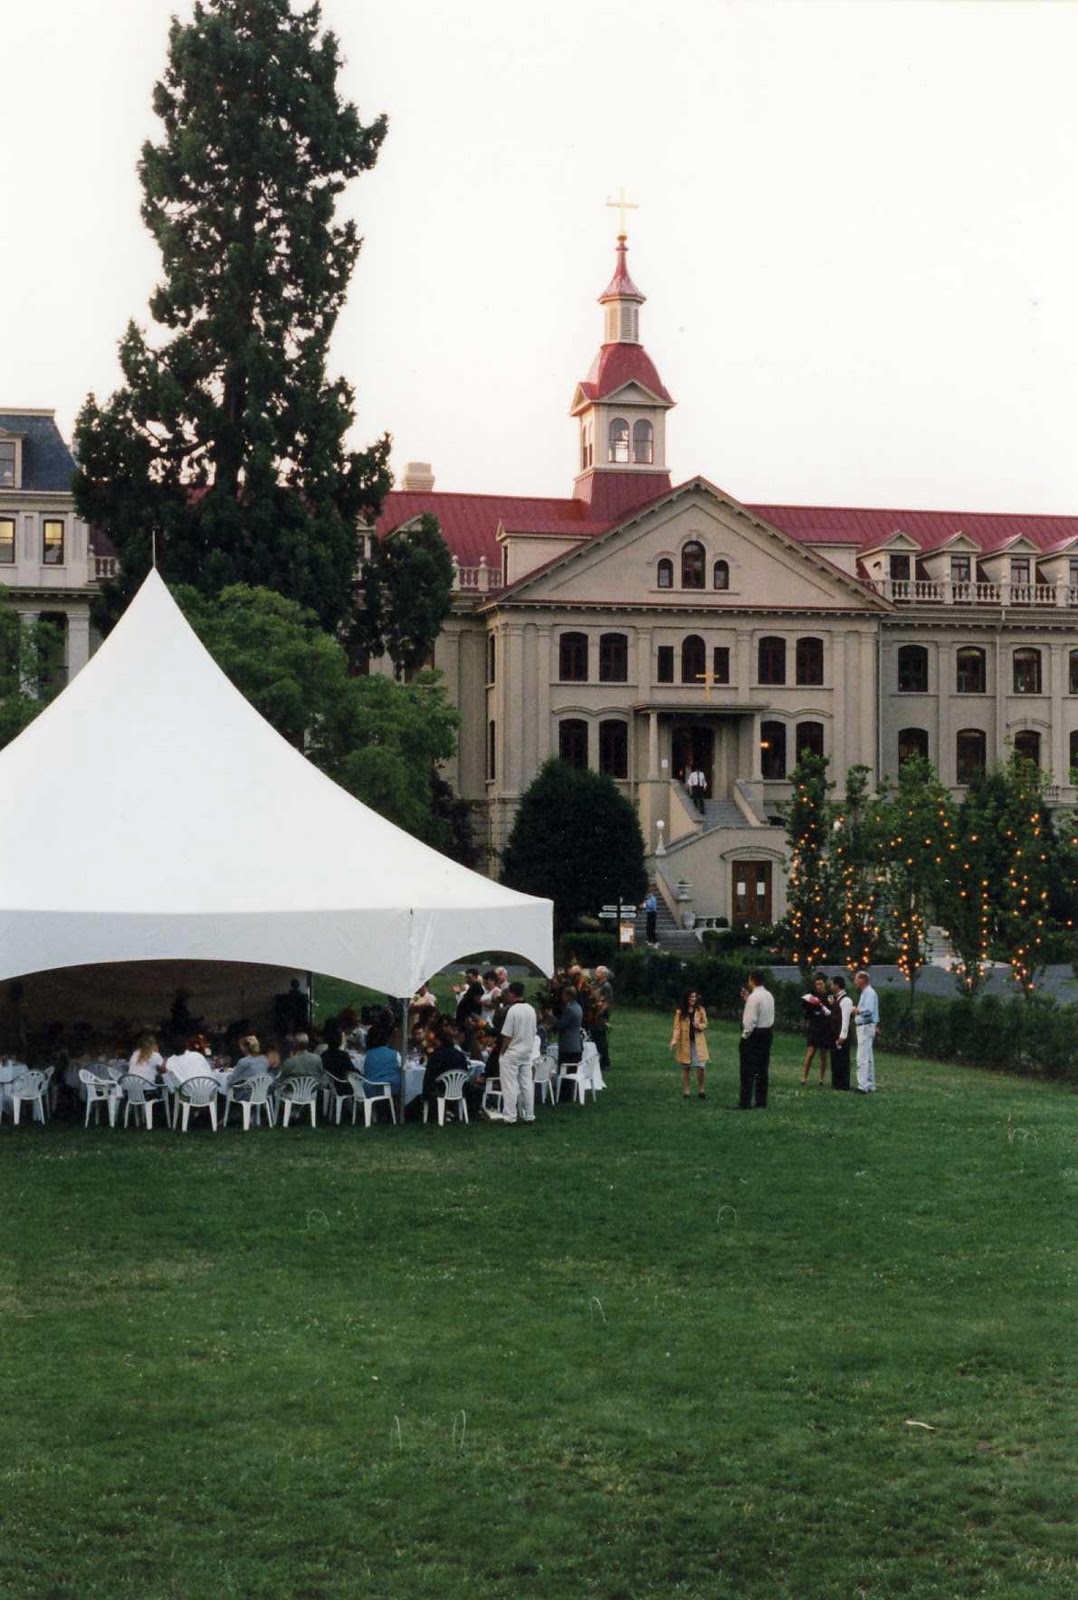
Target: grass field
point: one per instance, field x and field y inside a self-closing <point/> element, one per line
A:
<point x="646" y="1348"/>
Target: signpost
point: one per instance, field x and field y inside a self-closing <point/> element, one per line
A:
<point x="624" y="914"/>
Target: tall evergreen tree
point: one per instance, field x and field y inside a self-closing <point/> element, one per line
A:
<point x="1024" y="901"/>
<point x="226" y="442"/>
<point x="406" y="595"/>
<point x="857" y="871"/>
<point x="577" y="841"/>
<point x="919" y="818"/>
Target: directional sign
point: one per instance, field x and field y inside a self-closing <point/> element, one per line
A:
<point x="625" y="909"/>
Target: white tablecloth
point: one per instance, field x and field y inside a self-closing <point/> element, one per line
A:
<point x="589" y="1061"/>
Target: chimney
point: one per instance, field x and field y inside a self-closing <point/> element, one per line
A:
<point x="418" y="477"/>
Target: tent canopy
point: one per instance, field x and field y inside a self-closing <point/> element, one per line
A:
<point x="154" y="815"/>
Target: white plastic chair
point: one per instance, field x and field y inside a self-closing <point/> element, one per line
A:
<point x="336" y="1098"/>
<point x="382" y="1096"/>
<point x="545" y="1070"/>
<point x="143" y="1096"/>
<point x="450" y="1092"/>
<point x="298" y="1092"/>
<point x="256" y="1100"/>
<point x="198" y="1094"/>
<point x="171" y="1085"/>
<point x="492" y="1096"/>
<point x="31" y="1087"/>
<point x="575" y="1073"/>
<point x="99" y="1092"/>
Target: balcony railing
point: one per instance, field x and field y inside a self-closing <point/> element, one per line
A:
<point x="942" y="592"/>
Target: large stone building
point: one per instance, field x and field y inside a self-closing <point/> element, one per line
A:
<point x="47" y="562"/>
<point x="645" y="628"/>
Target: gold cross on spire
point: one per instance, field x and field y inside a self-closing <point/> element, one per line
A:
<point x="622" y="205"/>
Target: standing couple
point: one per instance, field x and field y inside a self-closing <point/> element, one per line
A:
<point x="689" y="1042"/>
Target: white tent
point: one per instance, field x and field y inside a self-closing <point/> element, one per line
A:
<point x="152" y="814"/>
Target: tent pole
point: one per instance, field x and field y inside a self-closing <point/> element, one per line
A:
<point x="403" y="1003"/>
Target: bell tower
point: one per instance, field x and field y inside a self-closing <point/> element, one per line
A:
<point x="621" y="407"/>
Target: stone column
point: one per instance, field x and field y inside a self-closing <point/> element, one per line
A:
<point x="840" y="697"/>
<point x="653" y="745"/>
<point x="514" y="711"/>
<point x="543" y="670"/>
<point x="78" y="642"/>
<point x="1058" y="755"/>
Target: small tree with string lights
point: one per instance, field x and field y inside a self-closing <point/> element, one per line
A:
<point x="857" y="872"/>
<point x="918" y="817"/>
<point x="1025" y="891"/>
<point x="970" y="889"/>
<point x="810" y="903"/>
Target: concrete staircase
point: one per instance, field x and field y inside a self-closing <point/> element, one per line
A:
<point x="669" y="935"/>
<point x="722" y="814"/>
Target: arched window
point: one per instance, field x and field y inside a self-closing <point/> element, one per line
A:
<point x="619" y="440"/>
<point x="643" y="442"/>
<point x="810" y="661"/>
<point x="773" y="750"/>
<point x="720" y="575"/>
<point x="492" y="751"/>
<point x="693" y="659"/>
<point x="613" y="658"/>
<point x="1027" y="671"/>
<point x="614" y="748"/>
<point x="665" y="573"/>
<point x="970" y="754"/>
<point x="1073" y="678"/>
<point x="808" y="739"/>
<point x="573" y="658"/>
<point x="971" y="673"/>
<point x="573" y="742"/>
<point x="492" y="659"/>
<point x="912" y="745"/>
<point x="1027" y="746"/>
<point x="692" y="565"/>
<point x="771" y="661"/>
<point x="913" y="669"/>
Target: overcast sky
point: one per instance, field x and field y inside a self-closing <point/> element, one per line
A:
<point x="858" y="232"/>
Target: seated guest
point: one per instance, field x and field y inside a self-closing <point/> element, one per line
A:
<point x="470" y="995"/>
<point x="425" y="1003"/>
<point x="303" y="1062"/>
<point x="146" y="1059"/>
<point x="567" y="1027"/>
<point x="273" y="1056"/>
<point x="251" y="1064"/>
<point x="190" y="1063"/>
<point x="382" y="1064"/>
<point x="447" y="1056"/>
<point x="336" y="1062"/>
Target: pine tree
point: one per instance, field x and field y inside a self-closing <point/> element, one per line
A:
<point x="225" y="445"/>
<point x="969" y="892"/>
<point x="919" y="818"/>
<point x="1023" y="909"/>
<point x="407" y="593"/>
<point x="811" y="911"/>
<point x="577" y="841"/>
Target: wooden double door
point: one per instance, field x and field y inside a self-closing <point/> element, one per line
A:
<point x="751" y="897"/>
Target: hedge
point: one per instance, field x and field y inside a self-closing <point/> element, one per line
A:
<point x="1035" y="1036"/>
<point x="586" y="949"/>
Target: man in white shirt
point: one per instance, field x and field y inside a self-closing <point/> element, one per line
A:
<point x="754" y="1049"/>
<point x="696" y="783"/>
<point x="515" y="1061"/>
<point x="840" y="1050"/>
<point x="867" y="1018"/>
<point x="191" y="1064"/>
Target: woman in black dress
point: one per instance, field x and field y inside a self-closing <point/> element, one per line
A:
<point x="817" y="1008"/>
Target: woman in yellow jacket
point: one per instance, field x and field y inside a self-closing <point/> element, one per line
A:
<point x="689" y="1041"/>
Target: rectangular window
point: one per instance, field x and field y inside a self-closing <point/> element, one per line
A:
<point x="7" y="540"/>
<point x="492" y="751"/>
<point x="961" y="569"/>
<point x="720" y="664"/>
<point x="7" y="465"/>
<point x="614" y="749"/>
<point x="665" y="664"/>
<point x="900" y="568"/>
<point x="1020" y="569"/>
<point x="52" y="541"/>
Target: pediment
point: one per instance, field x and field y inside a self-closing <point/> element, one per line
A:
<point x="767" y="569"/>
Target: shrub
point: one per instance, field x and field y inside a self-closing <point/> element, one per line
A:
<point x="586" y="949"/>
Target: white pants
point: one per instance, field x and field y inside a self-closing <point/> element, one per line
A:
<point x="866" y="1059"/>
<point x="518" y="1088"/>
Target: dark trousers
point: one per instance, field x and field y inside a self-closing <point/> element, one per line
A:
<point x="840" y="1065"/>
<point x="650" y="920"/>
<point x="601" y="1040"/>
<point x="755" y="1058"/>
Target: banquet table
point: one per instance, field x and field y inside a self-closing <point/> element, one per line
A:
<point x="10" y="1071"/>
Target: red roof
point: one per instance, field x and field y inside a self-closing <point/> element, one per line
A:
<point x="619" y="364"/>
<point x="469" y="522"/>
<point x="930" y="529"/>
<point x="621" y="286"/>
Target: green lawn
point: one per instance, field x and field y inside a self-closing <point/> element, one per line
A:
<point x="647" y="1348"/>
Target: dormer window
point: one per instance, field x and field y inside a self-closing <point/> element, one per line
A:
<point x="7" y="464"/>
<point x="900" y="568"/>
<point x="1019" y="569"/>
<point x="619" y="441"/>
<point x="961" y="569"/>
<point x="643" y="443"/>
<point x="692" y="565"/>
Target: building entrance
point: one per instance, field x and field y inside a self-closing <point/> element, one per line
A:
<point x="693" y="745"/>
<point x="751" y="882"/>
